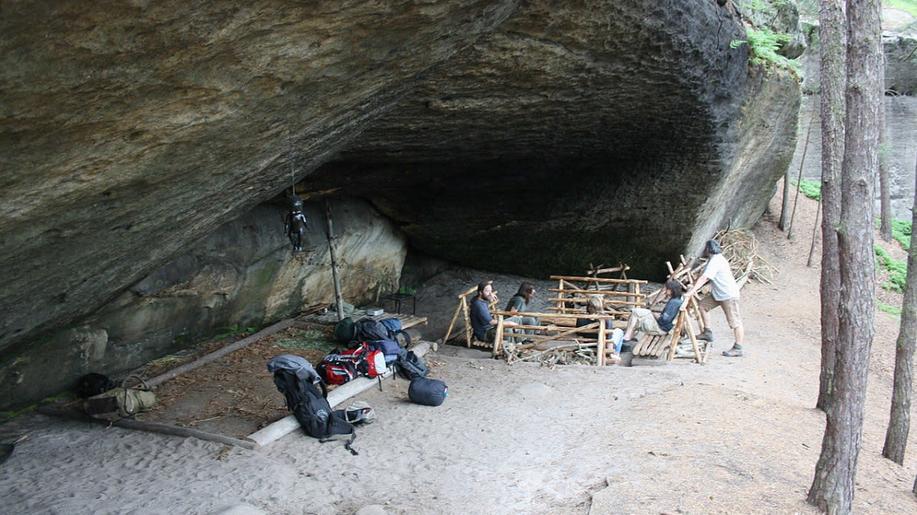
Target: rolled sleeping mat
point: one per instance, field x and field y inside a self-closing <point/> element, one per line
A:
<point x="428" y="392"/>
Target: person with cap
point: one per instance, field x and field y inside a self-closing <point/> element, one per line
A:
<point x="724" y="293"/>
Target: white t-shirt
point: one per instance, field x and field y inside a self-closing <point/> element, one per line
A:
<point x="724" y="285"/>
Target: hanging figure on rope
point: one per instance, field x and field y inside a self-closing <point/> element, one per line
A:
<point x="295" y="223"/>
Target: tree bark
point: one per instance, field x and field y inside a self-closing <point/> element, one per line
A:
<point x="899" y="422"/>
<point x="885" y="202"/>
<point x="833" y="486"/>
<point x="833" y="37"/>
<point x="785" y="207"/>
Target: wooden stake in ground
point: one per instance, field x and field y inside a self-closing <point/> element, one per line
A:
<point x="833" y="486"/>
<point x="338" y="297"/>
<point x="802" y="162"/>
<point x="833" y="36"/>
<point x="899" y="423"/>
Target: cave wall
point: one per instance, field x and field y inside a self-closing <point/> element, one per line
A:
<point x="243" y="274"/>
<point x="129" y="129"/>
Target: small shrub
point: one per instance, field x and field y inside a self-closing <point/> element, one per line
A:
<point x="901" y="232"/>
<point x="810" y="188"/>
<point x="763" y="45"/>
<point x="897" y="270"/>
<point x="888" y="308"/>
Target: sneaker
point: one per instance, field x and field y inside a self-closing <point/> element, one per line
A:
<point x="707" y="335"/>
<point x="734" y="352"/>
<point x="626" y="359"/>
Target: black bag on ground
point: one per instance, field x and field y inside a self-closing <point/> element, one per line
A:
<point x="367" y="330"/>
<point x="429" y="392"/>
<point x="312" y="411"/>
<point x="411" y="366"/>
<point x="344" y="331"/>
<point x="93" y="384"/>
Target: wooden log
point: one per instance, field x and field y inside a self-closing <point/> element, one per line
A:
<point x="584" y="300"/>
<point x="332" y="251"/>
<point x="498" y="339"/>
<point x="288" y="424"/>
<point x="594" y="292"/>
<point x="676" y="333"/>
<point x="569" y="316"/>
<point x="467" y="319"/>
<point x="458" y="309"/>
<point x="690" y="330"/>
<point x="151" y="427"/>
<point x="600" y="350"/>
<point x="601" y="280"/>
<point x="217" y="354"/>
<point x="562" y="305"/>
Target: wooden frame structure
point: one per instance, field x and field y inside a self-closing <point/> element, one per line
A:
<point x="576" y="289"/>
<point x="463" y="310"/>
<point x="552" y="332"/>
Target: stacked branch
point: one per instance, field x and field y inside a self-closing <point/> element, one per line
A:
<point x="740" y="248"/>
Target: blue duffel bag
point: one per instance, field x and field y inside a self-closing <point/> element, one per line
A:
<point x="429" y="392"/>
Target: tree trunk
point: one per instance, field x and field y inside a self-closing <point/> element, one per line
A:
<point x="885" y="202"/>
<point x="899" y="423"/>
<point x="785" y="207"/>
<point x="833" y="486"/>
<point x="833" y="37"/>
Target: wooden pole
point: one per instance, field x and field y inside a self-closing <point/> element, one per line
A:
<point x="458" y="309"/>
<point x="467" y="318"/>
<point x="814" y="234"/>
<point x="600" y="358"/>
<point x="802" y="161"/>
<point x="498" y="338"/>
<point x="338" y="297"/>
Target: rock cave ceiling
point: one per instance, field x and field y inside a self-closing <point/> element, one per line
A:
<point x="523" y="136"/>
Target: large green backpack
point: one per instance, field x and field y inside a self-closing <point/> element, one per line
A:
<point x="344" y="331"/>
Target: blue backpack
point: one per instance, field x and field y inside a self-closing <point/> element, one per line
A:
<point x="393" y="325"/>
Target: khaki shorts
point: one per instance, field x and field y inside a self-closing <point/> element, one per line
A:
<point x="730" y="308"/>
<point x="646" y="322"/>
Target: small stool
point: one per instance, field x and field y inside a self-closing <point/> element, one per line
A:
<point x="398" y="298"/>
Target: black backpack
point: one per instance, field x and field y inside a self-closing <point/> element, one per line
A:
<point x="410" y="366"/>
<point x="311" y="409"/>
<point x="367" y="330"/>
<point x="93" y="384"/>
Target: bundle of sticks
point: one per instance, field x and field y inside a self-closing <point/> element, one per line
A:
<point x="740" y="248"/>
<point x="565" y="353"/>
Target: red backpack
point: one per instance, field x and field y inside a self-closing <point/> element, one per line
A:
<point x="343" y="366"/>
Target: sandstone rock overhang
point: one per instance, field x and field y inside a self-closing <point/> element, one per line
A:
<point x="530" y="136"/>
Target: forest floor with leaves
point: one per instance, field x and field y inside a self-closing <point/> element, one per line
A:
<point x="733" y="436"/>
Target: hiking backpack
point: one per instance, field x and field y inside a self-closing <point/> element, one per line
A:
<point x="342" y="366"/>
<point x="344" y="331"/>
<point x="368" y="329"/>
<point x="312" y="410"/>
<point x="395" y="332"/>
<point x="411" y="366"/>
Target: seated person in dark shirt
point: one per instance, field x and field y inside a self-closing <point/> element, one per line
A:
<point x="594" y="306"/>
<point x="645" y="321"/>
<point x="483" y="324"/>
<point x="519" y="303"/>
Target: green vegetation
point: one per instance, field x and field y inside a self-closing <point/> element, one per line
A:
<point x="901" y="232"/>
<point x="234" y="331"/>
<point x="810" y="188"/>
<point x="910" y="6"/>
<point x="310" y="339"/>
<point x="897" y="270"/>
<point x="763" y="45"/>
<point x="407" y="290"/>
<point x="888" y="308"/>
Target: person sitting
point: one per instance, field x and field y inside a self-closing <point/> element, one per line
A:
<point x="519" y="303"/>
<point x="483" y="324"/>
<point x="594" y="306"/>
<point x="645" y="321"/>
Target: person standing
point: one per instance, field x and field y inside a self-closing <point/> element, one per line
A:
<point x="724" y="293"/>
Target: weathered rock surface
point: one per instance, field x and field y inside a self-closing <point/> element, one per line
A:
<point x="130" y="129"/>
<point x="630" y="131"/>
<point x="242" y="275"/>
<point x="529" y="136"/>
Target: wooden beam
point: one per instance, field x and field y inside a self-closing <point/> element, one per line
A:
<point x="597" y="279"/>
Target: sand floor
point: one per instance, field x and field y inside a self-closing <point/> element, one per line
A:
<point x="734" y="436"/>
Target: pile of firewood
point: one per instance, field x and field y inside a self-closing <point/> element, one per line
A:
<point x="740" y="248"/>
<point x="563" y="353"/>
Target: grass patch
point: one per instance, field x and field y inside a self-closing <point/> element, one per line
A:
<point x="810" y="188"/>
<point x="888" y="308"/>
<point x="897" y="270"/>
<point x="234" y="331"/>
<point x="309" y="340"/>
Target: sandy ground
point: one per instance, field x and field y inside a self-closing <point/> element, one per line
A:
<point x="736" y="435"/>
